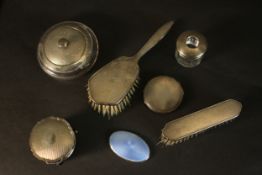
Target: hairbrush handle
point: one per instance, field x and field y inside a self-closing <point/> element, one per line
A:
<point x="154" y="39"/>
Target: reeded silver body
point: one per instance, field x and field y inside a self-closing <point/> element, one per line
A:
<point x="190" y="125"/>
<point x="190" y="48"/>
<point x="52" y="140"/>
<point x="67" y="50"/>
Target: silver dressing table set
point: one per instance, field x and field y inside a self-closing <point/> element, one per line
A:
<point x="69" y="49"/>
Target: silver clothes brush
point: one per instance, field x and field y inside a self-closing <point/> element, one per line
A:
<point x="110" y="89"/>
<point x="183" y="128"/>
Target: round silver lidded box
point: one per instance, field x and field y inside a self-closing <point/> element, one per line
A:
<point x="163" y="94"/>
<point x="52" y="140"/>
<point x="190" y="48"/>
<point x="67" y="50"/>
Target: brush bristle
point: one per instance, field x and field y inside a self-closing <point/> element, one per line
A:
<point x="169" y="142"/>
<point x="113" y="110"/>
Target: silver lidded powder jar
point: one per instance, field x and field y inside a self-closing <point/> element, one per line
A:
<point x="52" y="140"/>
<point x="67" y="50"/>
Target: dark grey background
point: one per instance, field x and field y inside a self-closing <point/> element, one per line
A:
<point x="231" y="69"/>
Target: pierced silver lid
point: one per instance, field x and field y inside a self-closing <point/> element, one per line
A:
<point x="190" y="48"/>
<point x="67" y="50"/>
<point x="52" y="140"/>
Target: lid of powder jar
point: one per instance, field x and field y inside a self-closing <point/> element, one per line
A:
<point x="52" y="140"/>
<point x="67" y="50"/>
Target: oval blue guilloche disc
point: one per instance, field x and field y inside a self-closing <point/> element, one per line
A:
<point x="129" y="146"/>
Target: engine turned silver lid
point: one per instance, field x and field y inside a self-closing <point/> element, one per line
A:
<point x="52" y="140"/>
<point x="67" y="50"/>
